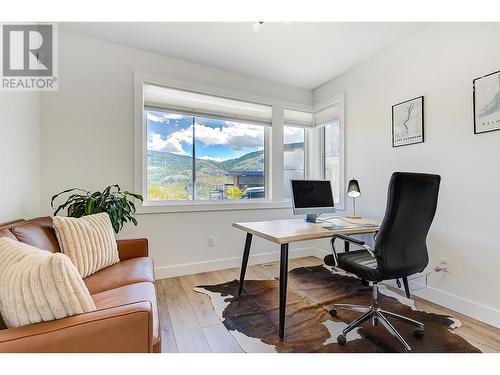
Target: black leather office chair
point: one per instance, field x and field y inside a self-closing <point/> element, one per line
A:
<point x="400" y="247"/>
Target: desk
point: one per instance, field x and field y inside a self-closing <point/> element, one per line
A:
<point x="283" y="232"/>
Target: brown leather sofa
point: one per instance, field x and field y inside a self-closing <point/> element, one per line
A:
<point x="126" y="319"/>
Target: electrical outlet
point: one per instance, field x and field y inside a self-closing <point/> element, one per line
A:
<point x="211" y="241"/>
<point x="445" y="264"/>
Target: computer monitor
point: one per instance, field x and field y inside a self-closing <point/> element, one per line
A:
<point x="312" y="198"/>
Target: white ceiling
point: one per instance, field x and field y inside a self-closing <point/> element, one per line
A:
<point x="299" y="54"/>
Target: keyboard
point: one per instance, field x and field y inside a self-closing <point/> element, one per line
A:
<point x="346" y="226"/>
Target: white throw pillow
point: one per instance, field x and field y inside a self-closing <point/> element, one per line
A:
<point x="38" y="286"/>
<point x="89" y="241"/>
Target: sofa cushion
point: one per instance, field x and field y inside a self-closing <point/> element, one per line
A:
<point x="130" y="294"/>
<point x="37" y="286"/>
<point x="126" y="272"/>
<point x="37" y="232"/>
<point x="89" y="241"/>
<point x="5" y="232"/>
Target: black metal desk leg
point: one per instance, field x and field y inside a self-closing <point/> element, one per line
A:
<point x="407" y="287"/>
<point x="244" y="262"/>
<point x="283" y="287"/>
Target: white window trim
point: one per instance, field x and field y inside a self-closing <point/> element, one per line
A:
<point x="338" y="99"/>
<point x="307" y="140"/>
<point x="273" y="151"/>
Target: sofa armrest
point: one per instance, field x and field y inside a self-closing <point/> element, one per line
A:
<point x="126" y="328"/>
<point x="134" y="248"/>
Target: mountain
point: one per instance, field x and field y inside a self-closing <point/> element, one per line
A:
<point x="253" y="161"/>
<point x="165" y="164"/>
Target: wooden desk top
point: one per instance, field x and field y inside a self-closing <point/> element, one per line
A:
<point x="294" y="230"/>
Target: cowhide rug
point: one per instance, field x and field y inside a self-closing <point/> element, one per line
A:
<point x="253" y="318"/>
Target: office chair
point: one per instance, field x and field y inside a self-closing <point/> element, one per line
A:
<point x="400" y="248"/>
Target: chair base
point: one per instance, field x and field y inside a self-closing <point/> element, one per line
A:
<point x="378" y="316"/>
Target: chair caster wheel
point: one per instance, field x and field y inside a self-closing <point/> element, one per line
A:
<point x="341" y="340"/>
<point x="418" y="332"/>
<point x="333" y="312"/>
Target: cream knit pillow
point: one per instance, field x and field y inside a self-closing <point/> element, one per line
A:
<point x="38" y="286"/>
<point x="89" y="242"/>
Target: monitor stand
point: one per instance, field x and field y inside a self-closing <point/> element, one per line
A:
<point x="311" y="218"/>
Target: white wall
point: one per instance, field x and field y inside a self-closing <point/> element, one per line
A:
<point x="19" y="155"/>
<point x="440" y="63"/>
<point x="87" y="142"/>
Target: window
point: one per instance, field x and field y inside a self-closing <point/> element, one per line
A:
<point x="332" y="162"/>
<point x="200" y="149"/>
<point x="329" y="120"/>
<point x="293" y="157"/>
<point x="203" y="158"/>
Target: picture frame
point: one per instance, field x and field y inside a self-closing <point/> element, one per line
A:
<point x="486" y="103"/>
<point x="408" y="122"/>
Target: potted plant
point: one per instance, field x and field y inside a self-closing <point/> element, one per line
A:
<point x="112" y="200"/>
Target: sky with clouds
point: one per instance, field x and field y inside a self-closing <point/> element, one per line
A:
<point x="215" y="139"/>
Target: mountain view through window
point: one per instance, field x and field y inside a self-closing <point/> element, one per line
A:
<point x="196" y="158"/>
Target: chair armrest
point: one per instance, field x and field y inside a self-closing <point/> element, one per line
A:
<point x="134" y="248"/>
<point x="348" y="239"/>
<point x="126" y="328"/>
<point x="351" y="240"/>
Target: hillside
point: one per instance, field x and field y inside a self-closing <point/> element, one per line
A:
<point x="253" y="161"/>
<point x="181" y="165"/>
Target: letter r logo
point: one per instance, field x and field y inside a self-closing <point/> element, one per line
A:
<point x="27" y="50"/>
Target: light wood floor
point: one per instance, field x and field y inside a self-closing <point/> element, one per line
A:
<point x="190" y="324"/>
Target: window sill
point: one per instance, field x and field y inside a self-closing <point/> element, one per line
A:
<point x="171" y="207"/>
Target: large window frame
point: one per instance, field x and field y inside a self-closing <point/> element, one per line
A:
<point x="273" y="150"/>
<point x="272" y="200"/>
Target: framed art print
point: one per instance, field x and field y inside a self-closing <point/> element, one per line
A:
<point x="486" y="92"/>
<point x="408" y="122"/>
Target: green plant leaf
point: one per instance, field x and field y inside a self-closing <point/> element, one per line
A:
<point x="64" y="192"/>
<point x="89" y="207"/>
<point x="111" y="200"/>
<point x="136" y="196"/>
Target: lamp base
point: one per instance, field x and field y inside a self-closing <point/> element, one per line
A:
<point x="354" y="217"/>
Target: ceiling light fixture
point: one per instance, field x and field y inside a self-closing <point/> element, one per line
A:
<point x="257" y="26"/>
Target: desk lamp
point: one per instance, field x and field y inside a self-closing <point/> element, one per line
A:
<point x="353" y="192"/>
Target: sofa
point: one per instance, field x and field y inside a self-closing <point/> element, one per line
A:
<point x="126" y="319"/>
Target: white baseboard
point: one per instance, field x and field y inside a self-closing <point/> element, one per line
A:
<point x="221" y="264"/>
<point x="453" y="302"/>
<point x="467" y="307"/>
<point x="464" y="306"/>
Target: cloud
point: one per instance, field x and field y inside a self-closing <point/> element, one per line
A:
<point x="293" y="134"/>
<point x="232" y="135"/>
<point x="206" y="157"/>
<point x="162" y="117"/>
<point x="170" y="144"/>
